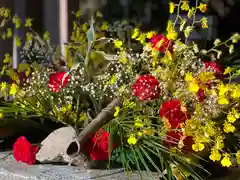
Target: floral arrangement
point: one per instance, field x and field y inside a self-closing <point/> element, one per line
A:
<point x="170" y="103"/>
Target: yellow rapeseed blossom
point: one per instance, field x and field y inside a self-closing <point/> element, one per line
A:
<point x="202" y="7"/>
<point x="198" y="146"/>
<point x="226" y="161"/>
<point x="13" y="89"/>
<point x="132" y="140"/>
<point x="228" y="127"/>
<point x="171" y="7"/>
<point x="215" y="155"/>
<point x="185" y="5"/>
<point x="238" y="157"/>
<point x="118" y="44"/>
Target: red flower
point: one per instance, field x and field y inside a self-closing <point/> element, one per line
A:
<point x="146" y="88"/>
<point x="56" y="81"/>
<point x="173" y="112"/>
<point x="161" y="43"/>
<point x="173" y="138"/>
<point x="201" y="95"/>
<point x="214" y="67"/>
<point x="24" y="152"/>
<point x="97" y="147"/>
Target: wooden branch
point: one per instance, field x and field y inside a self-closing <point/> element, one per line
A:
<point x="103" y="117"/>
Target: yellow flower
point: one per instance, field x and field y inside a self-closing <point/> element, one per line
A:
<point x="132" y="140"/>
<point x="228" y="70"/>
<point x="171" y="7"/>
<point x="150" y="34"/>
<point x="104" y="26"/>
<point x="202" y="7"/>
<point x="206" y="76"/>
<point x="66" y="108"/>
<point x="117" y="110"/>
<point x="223" y="89"/>
<point x="235" y="92"/>
<point x="13" y="89"/>
<point x="198" y="146"/>
<point x="85" y="27"/>
<point x="172" y="35"/>
<point x="238" y="157"/>
<point x="233" y="116"/>
<point x="215" y="155"/>
<point x="223" y="101"/>
<point x="118" y="44"/>
<point x="228" y="127"/>
<point x="189" y="77"/>
<point x="185" y="5"/>
<point x="193" y="87"/>
<point x="219" y="142"/>
<point x="226" y="161"/>
<point x="140" y="134"/>
<point x="3" y="86"/>
<point x="1" y="115"/>
<point x="142" y="38"/>
<point x="135" y="33"/>
<point x="138" y="123"/>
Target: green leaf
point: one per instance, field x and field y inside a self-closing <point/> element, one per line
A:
<point x="79" y="59"/>
<point x="90" y="34"/>
<point x="109" y="57"/>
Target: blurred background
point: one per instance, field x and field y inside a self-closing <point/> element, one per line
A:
<point x="55" y="17"/>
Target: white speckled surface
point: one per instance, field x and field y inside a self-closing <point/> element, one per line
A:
<point x="11" y="170"/>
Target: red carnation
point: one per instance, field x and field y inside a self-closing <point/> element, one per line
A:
<point x="24" y="152"/>
<point x="173" y="138"/>
<point x="56" y="81"/>
<point x="201" y="95"/>
<point x="97" y="146"/>
<point x="172" y="111"/>
<point x="214" y="67"/>
<point x="161" y="43"/>
<point x="146" y="88"/>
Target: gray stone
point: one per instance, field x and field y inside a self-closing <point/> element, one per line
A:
<point x="12" y="170"/>
<point x="53" y="148"/>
